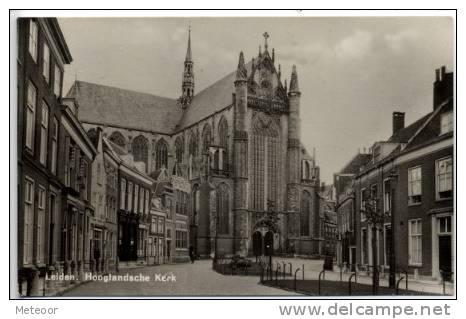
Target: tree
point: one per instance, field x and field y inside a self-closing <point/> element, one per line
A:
<point x="375" y="218"/>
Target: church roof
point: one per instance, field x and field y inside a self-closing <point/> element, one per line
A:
<point x="210" y="100"/>
<point x="130" y="109"/>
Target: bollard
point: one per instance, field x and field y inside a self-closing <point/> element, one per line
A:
<point x="284" y="269"/>
<point x="341" y="272"/>
<point x="398" y="284"/>
<point x="406" y="277"/>
<point x="349" y="282"/>
<point x="295" y="273"/>
<point x="303" y="271"/>
<point x="276" y="275"/>
<point x="262" y="274"/>
<point x="320" y="274"/>
<point x="291" y="268"/>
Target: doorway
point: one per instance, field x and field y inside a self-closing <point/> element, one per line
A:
<point x="444" y="248"/>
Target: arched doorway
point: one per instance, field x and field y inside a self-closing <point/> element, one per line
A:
<point x="257" y="243"/>
<point x="268" y="243"/>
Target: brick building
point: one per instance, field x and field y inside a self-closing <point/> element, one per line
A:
<point x="409" y="175"/>
<point x="53" y="193"/>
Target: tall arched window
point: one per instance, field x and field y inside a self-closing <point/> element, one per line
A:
<point x="140" y="150"/>
<point x="265" y="152"/>
<point x="179" y="149"/>
<point x="206" y="137"/>
<point x="118" y="138"/>
<point x="223" y="209"/>
<point x="161" y="154"/>
<point x="305" y="213"/>
<point x="193" y="145"/>
<point x="223" y="133"/>
<point x="196" y="201"/>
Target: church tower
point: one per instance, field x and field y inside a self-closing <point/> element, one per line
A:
<point x="294" y="156"/>
<point x="187" y="86"/>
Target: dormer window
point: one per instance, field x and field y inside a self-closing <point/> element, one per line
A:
<point x="446" y="123"/>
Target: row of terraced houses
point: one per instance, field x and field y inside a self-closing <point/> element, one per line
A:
<point x="84" y="203"/>
<point x="409" y="177"/>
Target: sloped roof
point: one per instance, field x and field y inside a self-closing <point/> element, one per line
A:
<point x="353" y="166"/>
<point x="403" y="135"/>
<point x="210" y="100"/>
<point x="120" y="107"/>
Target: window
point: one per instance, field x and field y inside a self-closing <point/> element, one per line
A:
<point x="265" y="153"/>
<point x="57" y="81"/>
<point x="141" y="150"/>
<point x="179" y="149"/>
<point x="46" y="62"/>
<point x="141" y="201"/>
<point x="53" y="165"/>
<point x="33" y="36"/>
<point x="160" y="226"/>
<point x="44" y="129"/>
<point x="444" y="225"/>
<point x="387" y="196"/>
<point x="206" y="137"/>
<point x="444" y="178"/>
<point x="414" y="185"/>
<point x="364" y="247"/>
<point x="40" y="225"/>
<point x="130" y="196"/>
<point x="117" y="138"/>
<point x="153" y="225"/>
<point x="181" y="240"/>
<point x="363" y="203"/>
<point x="147" y="201"/>
<point x="161" y="153"/>
<point x="415" y="242"/>
<point x="446" y="122"/>
<point x="136" y="198"/>
<point x="30" y="115"/>
<point x="122" y="193"/>
<point x="28" y="221"/>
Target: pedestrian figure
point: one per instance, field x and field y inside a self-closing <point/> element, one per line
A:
<point x="192" y="255"/>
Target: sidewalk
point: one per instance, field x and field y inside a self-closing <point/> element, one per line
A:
<point x="312" y="268"/>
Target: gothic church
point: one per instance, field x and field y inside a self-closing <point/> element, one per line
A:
<point x="237" y="143"/>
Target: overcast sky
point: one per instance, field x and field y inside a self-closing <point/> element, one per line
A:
<point x="353" y="72"/>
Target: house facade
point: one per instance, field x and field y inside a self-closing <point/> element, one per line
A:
<point x="410" y="175"/>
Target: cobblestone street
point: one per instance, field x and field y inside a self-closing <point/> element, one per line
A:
<point x="196" y="279"/>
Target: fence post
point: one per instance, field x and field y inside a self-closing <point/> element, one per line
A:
<point x="295" y="273"/>
<point x="349" y="282"/>
<point x="320" y="274"/>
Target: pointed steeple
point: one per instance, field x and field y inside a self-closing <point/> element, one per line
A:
<point x="187" y="85"/>
<point x="188" y="51"/>
<point x="241" y="72"/>
<point x="294" y="87"/>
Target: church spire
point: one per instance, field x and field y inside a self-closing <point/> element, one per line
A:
<point x="187" y="86"/>
<point x="188" y="51"/>
<point x="294" y="87"/>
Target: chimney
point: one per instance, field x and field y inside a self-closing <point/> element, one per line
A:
<point x="443" y="86"/>
<point x="398" y="121"/>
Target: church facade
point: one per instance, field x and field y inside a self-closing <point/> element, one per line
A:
<point x="238" y="145"/>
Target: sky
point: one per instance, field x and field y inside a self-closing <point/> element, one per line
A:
<point x="353" y="71"/>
